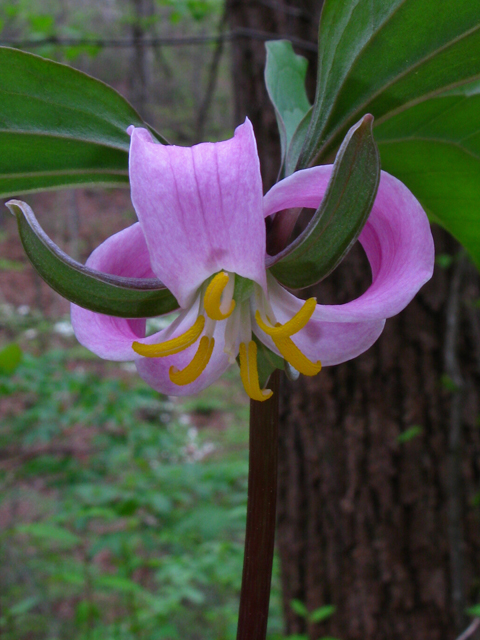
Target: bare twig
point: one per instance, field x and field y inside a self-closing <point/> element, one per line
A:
<point x="228" y="36"/>
<point x="469" y="631"/>
<point x="212" y="82"/>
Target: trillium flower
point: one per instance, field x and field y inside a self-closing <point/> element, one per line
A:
<point x="201" y="231"/>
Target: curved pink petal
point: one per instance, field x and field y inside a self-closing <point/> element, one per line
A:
<point x="329" y="342"/>
<point x="155" y="370"/>
<point x="123" y="254"/>
<point x="397" y="240"/>
<point x="200" y="209"/>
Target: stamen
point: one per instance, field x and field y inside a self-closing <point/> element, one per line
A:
<point x="249" y="372"/>
<point x="291" y="327"/>
<point x="213" y="297"/>
<point x="175" y="345"/>
<point x="196" y="367"/>
<point x="295" y="357"/>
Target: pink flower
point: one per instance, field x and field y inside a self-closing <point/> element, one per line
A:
<point x="201" y="231"/>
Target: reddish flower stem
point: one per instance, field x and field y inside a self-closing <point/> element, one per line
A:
<point x="261" y="511"/>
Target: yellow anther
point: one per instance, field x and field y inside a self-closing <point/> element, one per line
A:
<point x="295" y="357"/>
<point x="213" y="297"/>
<point x="249" y="372"/>
<point x="291" y="327"/>
<point x="175" y="345"/>
<point x="196" y="367"/>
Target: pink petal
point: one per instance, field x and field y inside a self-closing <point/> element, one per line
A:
<point x="155" y="370"/>
<point x="200" y="209"/>
<point x="397" y="240"/>
<point x="329" y="342"/>
<point x="123" y="254"/>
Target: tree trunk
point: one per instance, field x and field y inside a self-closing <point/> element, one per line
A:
<point x="379" y="468"/>
<point x="293" y="18"/>
<point x="379" y="471"/>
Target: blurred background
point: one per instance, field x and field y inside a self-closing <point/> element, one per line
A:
<point x="122" y="512"/>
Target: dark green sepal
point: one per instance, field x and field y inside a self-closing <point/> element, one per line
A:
<point x="243" y="289"/>
<point x="341" y="216"/>
<point x="267" y="362"/>
<point x="93" y="290"/>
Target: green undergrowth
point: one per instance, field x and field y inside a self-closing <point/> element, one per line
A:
<point x="122" y="512"/>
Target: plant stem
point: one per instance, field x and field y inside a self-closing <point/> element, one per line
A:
<point x="261" y="511"/>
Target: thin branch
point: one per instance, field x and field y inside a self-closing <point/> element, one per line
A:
<point x="228" y="36"/>
<point x="469" y="631"/>
<point x="261" y="513"/>
<point x="212" y="81"/>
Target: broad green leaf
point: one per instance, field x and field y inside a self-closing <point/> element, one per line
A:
<point x="383" y="56"/>
<point x="59" y="127"/>
<point x="434" y="148"/>
<point x="10" y="358"/>
<point x="338" y="221"/>
<point x="111" y="295"/>
<point x="50" y="532"/>
<point x="285" y="80"/>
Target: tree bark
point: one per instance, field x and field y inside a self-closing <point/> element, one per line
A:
<point x="383" y="525"/>
<point x="379" y="457"/>
<point x="288" y="18"/>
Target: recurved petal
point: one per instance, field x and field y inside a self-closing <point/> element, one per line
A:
<point x="123" y="254"/>
<point x="396" y="238"/>
<point x="155" y="371"/>
<point x="330" y="342"/>
<point x="200" y="208"/>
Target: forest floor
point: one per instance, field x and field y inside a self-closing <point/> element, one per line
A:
<point x="122" y="512"/>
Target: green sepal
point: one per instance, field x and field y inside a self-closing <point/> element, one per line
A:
<point x="285" y="73"/>
<point x="267" y="362"/>
<point x="341" y="216"/>
<point x="93" y="290"/>
<point x="243" y="289"/>
<point x="60" y="127"/>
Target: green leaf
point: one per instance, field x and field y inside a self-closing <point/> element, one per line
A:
<point x="340" y="217"/>
<point x="24" y="606"/>
<point x="384" y="56"/>
<point x="50" y="532"/>
<point x="59" y="127"/>
<point x="10" y="358"/>
<point x="111" y="295"/>
<point x="322" y="613"/>
<point x="299" y="608"/>
<point x="117" y="583"/>
<point x="434" y="148"/>
<point x="296" y="145"/>
<point x="285" y="80"/>
<point x="409" y="434"/>
<point x="474" y="611"/>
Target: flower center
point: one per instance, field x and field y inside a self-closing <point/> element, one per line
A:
<point x="217" y="304"/>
